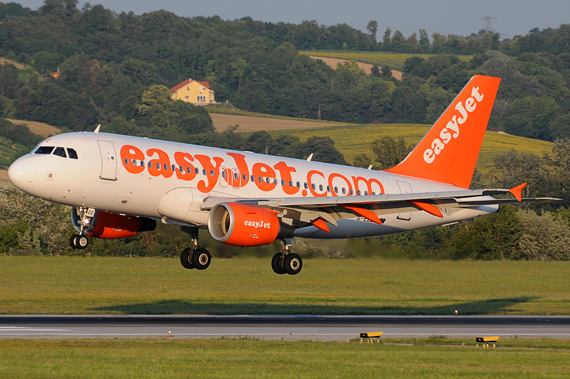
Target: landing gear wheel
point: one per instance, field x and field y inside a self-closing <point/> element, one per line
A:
<point x="201" y="259"/>
<point x="276" y="264"/>
<point x="293" y="264"/>
<point x="73" y="241"/>
<point x="81" y="242"/>
<point x="185" y="258"/>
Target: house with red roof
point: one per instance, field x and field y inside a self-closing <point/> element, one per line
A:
<point x="195" y="92"/>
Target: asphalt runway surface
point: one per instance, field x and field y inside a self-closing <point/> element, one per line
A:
<point x="279" y="327"/>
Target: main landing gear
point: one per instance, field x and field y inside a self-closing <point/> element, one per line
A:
<point x="195" y="256"/>
<point x="286" y="262"/>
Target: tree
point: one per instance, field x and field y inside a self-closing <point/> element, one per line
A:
<point x="372" y="28"/>
<point x="386" y="39"/>
<point x="390" y="151"/>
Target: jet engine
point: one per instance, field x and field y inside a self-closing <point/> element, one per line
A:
<point x="108" y="225"/>
<point x="246" y="225"/>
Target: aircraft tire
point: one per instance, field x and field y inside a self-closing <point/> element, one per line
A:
<point x="185" y="259"/>
<point x="73" y="241"/>
<point x="201" y="259"/>
<point x="275" y="264"/>
<point x="81" y="242"/>
<point x="293" y="263"/>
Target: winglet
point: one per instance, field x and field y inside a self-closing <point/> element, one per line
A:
<point x="517" y="191"/>
<point x="97" y="129"/>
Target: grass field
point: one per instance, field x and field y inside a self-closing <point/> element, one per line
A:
<point x="352" y="140"/>
<point x="258" y="123"/>
<point x="39" y="128"/>
<point x="245" y="358"/>
<point x="64" y="285"/>
<point x="394" y="60"/>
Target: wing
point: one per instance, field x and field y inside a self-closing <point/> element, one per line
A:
<point x="303" y="211"/>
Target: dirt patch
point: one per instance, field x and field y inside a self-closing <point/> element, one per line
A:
<point x="333" y="62"/>
<point x="4" y="175"/>
<point x="16" y="64"/>
<point x="255" y="124"/>
<point x="38" y="128"/>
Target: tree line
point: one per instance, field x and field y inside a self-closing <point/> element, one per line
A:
<point x="107" y="59"/>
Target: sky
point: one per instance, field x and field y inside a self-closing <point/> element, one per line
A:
<point x="461" y="17"/>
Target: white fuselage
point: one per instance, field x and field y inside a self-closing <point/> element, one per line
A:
<point x="119" y="174"/>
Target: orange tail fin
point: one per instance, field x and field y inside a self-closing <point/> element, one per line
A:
<point x="448" y="152"/>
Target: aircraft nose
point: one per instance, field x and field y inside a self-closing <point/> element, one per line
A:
<point x="21" y="173"/>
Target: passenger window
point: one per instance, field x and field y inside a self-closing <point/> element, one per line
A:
<point x="165" y="167"/>
<point x="142" y="163"/>
<point x="60" y="152"/>
<point x="343" y="191"/>
<point x="298" y="185"/>
<point x="44" y="150"/>
<point x="126" y="161"/>
<point x="203" y="171"/>
<point x="282" y="182"/>
<point x="72" y="153"/>
<point x="290" y="183"/>
<point x="224" y="174"/>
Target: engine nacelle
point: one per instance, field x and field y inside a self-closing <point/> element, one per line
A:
<point x="108" y="225"/>
<point x="246" y="225"/>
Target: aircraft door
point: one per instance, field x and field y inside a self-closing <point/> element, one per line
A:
<point x="108" y="160"/>
<point x="224" y="180"/>
<point x="236" y="178"/>
<point x="405" y="187"/>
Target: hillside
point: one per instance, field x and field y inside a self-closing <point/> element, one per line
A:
<point x="394" y="60"/>
<point x="367" y="67"/>
<point x="39" y="128"/>
<point x="352" y="140"/>
<point x="256" y="124"/>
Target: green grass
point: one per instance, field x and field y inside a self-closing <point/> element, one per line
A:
<point x="245" y="358"/>
<point x="394" y="60"/>
<point x="66" y="285"/>
<point x="351" y="140"/>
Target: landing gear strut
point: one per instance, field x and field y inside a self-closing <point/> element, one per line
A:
<point x="84" y="220"/>
<point x="286" y="262"/>
<point x="195" y="256"/>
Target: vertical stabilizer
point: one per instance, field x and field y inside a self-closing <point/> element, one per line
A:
<point x="448" y="152"/>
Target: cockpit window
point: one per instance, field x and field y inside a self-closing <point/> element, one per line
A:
<point x="72" y="153"/>
<point x="44" y="150"/>
<point x="60" y="151"/>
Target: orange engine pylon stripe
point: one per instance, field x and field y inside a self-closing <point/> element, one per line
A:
<point x="429" y="208"/>
<point x="368" y="214"/>
<point x="319" y="223"/>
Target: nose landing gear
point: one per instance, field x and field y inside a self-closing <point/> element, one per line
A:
<point x="84" y="220"/>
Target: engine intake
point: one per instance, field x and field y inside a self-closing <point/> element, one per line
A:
<point x="246" y="225"/>
<point x="108" y="225"/>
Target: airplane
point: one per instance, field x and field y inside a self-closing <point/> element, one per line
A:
<point x="118" y="186"/>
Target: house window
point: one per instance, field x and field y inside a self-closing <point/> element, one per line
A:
<point x="186" y="97"/>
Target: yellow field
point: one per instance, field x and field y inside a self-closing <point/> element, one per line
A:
<point x="39" y="128"/>
<point x="352" y="140"/>
<point x="394" y="60"/>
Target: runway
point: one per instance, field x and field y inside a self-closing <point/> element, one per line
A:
<point x="277" y="327"/>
